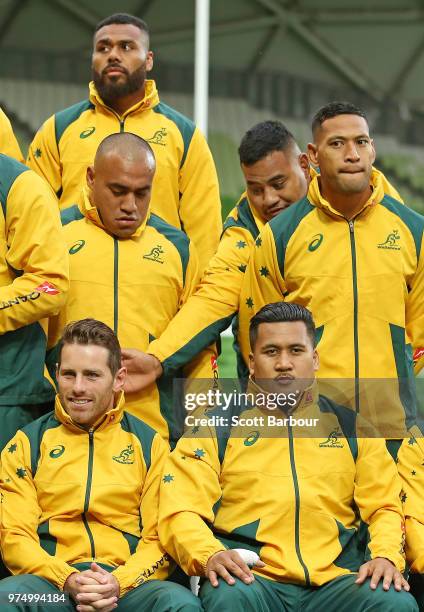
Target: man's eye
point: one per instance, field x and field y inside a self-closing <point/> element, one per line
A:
<point x="102" y="49"/>
<point x="363" y="141"/>
<point x="336" y="144"/>
<point x="126" y="46"/>
<point x="279" y="185"/>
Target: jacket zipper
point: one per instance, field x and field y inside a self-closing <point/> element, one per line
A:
<point x="355" y="312"/>
<point x="115" y="284"/>
<point x="297" y="511"/>
<point x="88" y="490"/>
<point x="121" y="125"/>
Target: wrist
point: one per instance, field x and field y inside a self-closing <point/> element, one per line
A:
<point x="158" y="368"/>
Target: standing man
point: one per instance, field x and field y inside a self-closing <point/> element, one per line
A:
<point x="185" y="191"/>
<point x="355" y="257"/>
<point x="301" y="497"/>
<point x="33" y="285"/>
<point x="80" y="492"/>
<point x="128" y="268"/>
<point x="8" y="143"/>
<point x="276" y="173"/>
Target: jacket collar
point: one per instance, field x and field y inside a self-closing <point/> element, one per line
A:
<point x="114" y="415"/>
<point x="307" y="399"/>
<point x="150" y="100"/>
<point x="91" y="213"/>
<point x="316" y="198"/>
<point x="260" y="223"/>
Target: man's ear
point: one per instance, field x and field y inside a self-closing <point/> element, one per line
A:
<point x="313" y="154"/>
<point x="149" y="61"/>
<point x="251" y="364"/>
<point x="119" y="380"/>
<point x="373" y="148"/>
<point x="89" y="176"/>
<point x="304" y="164"/>
<point x="316" y="360"/>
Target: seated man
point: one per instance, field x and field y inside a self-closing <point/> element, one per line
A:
<point x="80" y="492"/>
<point x="306" y="500"/>
<point x="129" y="268"/>
<point x="410" y="465"/>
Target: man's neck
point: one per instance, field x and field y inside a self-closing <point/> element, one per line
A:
<point x="347" y="204"/>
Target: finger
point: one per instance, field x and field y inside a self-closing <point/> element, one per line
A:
<point x="405" y="584"/>
<point x="88" y="598"/>
<point x="241" y="570"/>
<point x="213" y="579"/>
<point x="100" y="604"/>
<point x="397" y="580"/>
<point x="389" y="577"/>
<point x="259" y="563"/>
<point x="238" y="561"/>
<point x="105" y="590"/>
<point x="221" y="570"/>
<point x="98" y="568"/>
<point x="375" y="578"/>
<point x="362" y="574"/>
<point x="89" y="578"/>
<point x="110" y="602"/>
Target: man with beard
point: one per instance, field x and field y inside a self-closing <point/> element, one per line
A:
<point x="355" y="257"/>
<point x="185" y="190"/>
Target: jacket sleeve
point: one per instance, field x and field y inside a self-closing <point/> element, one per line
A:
<point x="410" y="466"/>
<point x="36" y="251"/>
<point x="415" y="304"/>
<point x="200" y="205"/>
<point x="262" y="284"/>
<point x="150" y="561"/>
<point x="8" y="143"/>
<point x="190" y="488"/>
<point x="43" y="155"/>
<point x="377" y="495"/>
<point x="211" y="308"/>
<point x="20" y="513"/>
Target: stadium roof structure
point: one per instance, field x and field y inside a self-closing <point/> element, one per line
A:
<point x="375" y="46"/>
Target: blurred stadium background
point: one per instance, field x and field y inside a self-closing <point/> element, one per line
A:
<point x="268" y="59"/>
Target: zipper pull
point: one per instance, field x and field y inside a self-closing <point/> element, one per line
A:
<point x="121" y="125"/>
<point x="351" y="226"/>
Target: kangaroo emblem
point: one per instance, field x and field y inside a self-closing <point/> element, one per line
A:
<point x="125" y="455"/>
<point x="333" y="440"/>
<point x="158" y="137"/>
<point x="155" y="254"/>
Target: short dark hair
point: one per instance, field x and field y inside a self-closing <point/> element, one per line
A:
<point x="280" y="312"/>
<point x="124" y="18"/>
<point x="262" y="139"/>
<point x="333" y="109"/>
<point x="91" y="331"/>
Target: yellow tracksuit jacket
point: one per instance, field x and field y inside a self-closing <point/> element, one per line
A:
<point x="410" y="462"/>
<point x="185" y="188"/>
<point x="135" y="286"/>
<point x="73" y="496"/>
<point x="33" y="281"/>
<point x="212" y="307"/>
<point x="8" y="143"/>
<point x="363" y="281"/>
<point x="313" y="506"/>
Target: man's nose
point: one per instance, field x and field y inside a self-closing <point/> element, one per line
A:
<point x="270" y="196"/>
<point x="283" y="362"/>
<point x="79" y="386"/>
<point x="128" y="204"/>
<point x="352" y="152"/>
